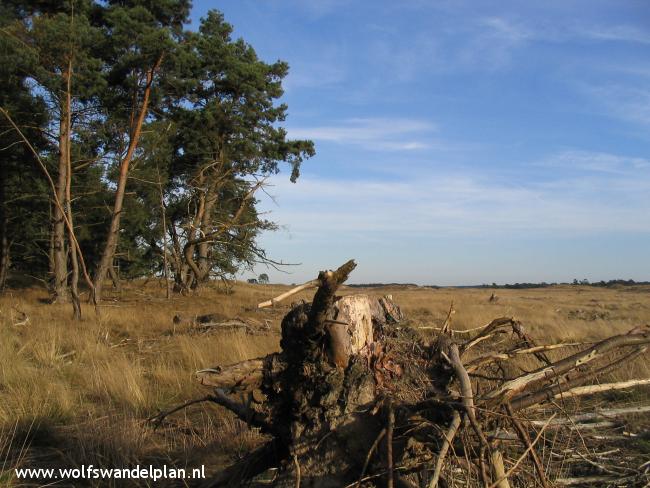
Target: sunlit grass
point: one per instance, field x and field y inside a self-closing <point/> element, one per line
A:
<point x="80" y="392"/>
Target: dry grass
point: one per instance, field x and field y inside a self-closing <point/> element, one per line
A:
<point x="79" y="392"/>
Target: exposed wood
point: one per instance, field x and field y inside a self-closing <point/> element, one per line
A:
<point x="593" y="389"/>
<point x="510" y="388"/>
<point x="499" y="471"/>
<point x="602" y="414"/>
<point x="525" y="439"/>
<point x="548" y="392"/>
<point x="588" y="481"/>
<point x="449" y="435"/>
<point x="505" y="476"/>
<point x="273" y="301"/>
<point x="245" y="375"/>
<point x="467" y="395"/>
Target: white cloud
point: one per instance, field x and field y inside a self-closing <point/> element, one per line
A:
<point x="600" y="198"/>
<point x="618" y="33"/>
<point x="319" y="8"/>
<point x="372" y="133"/>
<point x="625" y="102"/>
<point x="596" y="162"/>
<point x="314" y="75"/>
<point x="502" y="28"/>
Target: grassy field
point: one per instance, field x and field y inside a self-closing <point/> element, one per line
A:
<point x="74" y="393"/>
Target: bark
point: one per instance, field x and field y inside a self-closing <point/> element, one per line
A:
<point x="178" y="264"/>
<point x="59" y="254"/>
<point x="203" y="248"/>
<point x="5" y="244"/>
<point x="114" y="229"/>
<point x="115" y="279"/>
<point x="66" y="150"/>
<point x="5" y="254"/>
<point x="163" y="218"/>
<point x="214" y="184"/>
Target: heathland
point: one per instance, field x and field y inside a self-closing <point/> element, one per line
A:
<point x="80" y="392"/>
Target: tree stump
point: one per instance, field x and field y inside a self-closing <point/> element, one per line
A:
<point x="356" y="398"/>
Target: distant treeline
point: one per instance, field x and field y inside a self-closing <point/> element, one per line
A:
<point x="514" y="286"/>
<point x="575" y="282"/>
<point x="379" y="285"/>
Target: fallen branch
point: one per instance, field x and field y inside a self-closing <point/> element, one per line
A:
<point x="243" y="375"/>
<point x="525" y="439"/>
<point x="593" y="389"/>
<point x="508" y="389"/>
<point x="273" y="301"/>
<point x="528" y="449"/>
<point x="466" y="392"/>
<point x="219" y="397"/>
<point x="449" y="438"/>
<point x="594" y="416"/>
<point x="590" y="481"/>
<point x="526" y="400"/>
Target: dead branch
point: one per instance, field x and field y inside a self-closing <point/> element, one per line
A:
<point x="273" y="301"/>
<point x="593" y="389"/>
<point x="604" y="414"/>
<point x="525" y="439"/>
<point x="245" y="375"/>
<point x="510" y="388"/>
<point x="526" y="400"/>
<point x="324" y="299"/>
<point x="528" y="449"/>
<point x="448" y="439"/>
<point x="466" y="391"/>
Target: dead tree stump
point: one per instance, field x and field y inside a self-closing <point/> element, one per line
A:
<point x="356" y="398"/>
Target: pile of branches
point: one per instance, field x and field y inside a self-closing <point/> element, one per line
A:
<point x="356" y="398"/>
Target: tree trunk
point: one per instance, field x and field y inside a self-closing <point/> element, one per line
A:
<point x="204" y="247"/>
<point x="192" y="279"/>
<point x="115" y="278"/>
<point x="74" y="259"/>
<point x="163" y="217"/>
<point x="178" y="265"/>
<point x="5" y="246"/>
<point x="59" y="254"/>
<point x="114" y="229"/>
<point x="5" y="257"/>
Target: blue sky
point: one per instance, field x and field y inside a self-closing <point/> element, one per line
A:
<point x="460" y="142"/>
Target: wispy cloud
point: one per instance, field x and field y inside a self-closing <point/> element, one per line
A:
<point x="596" y="162"/>
<point x="318" y="8"/>
<point x="372" y="133"/>
<point x="491" y="44"/>
<point x="314" y="75"/>
<point x="618" y="33"/>
<point x="505" y="29"/>
<point x="627" y="102"/>
<point x="593" y="195"/>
